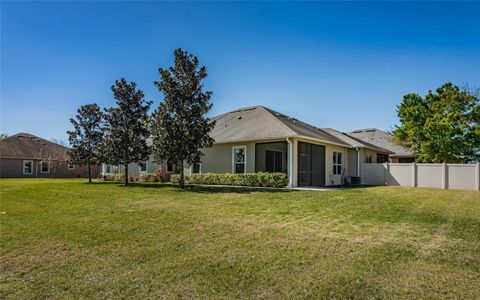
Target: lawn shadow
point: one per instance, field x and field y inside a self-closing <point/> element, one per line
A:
<point x="204" y="189"/>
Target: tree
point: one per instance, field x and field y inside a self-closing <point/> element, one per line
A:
<point x="441" y="127"/>
<point x="126" y="126"/>
<point x="86" y="137"/>
<point x="180" y="127"/>
<point x="56" y="155"/>
<point x="3" y="136"/>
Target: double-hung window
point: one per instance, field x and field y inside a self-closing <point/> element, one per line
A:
<point x="143" y="167"/>
<point x="196" y="168"/>
<point x="170" y="168"/>
<point x="337" y="163"/>
<point x="44" y="167"/>
<point x="27" y="167"/>
<point x="239" y="157"/>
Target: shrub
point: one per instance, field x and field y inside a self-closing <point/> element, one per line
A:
<point x="148" y="177"/>
<point x="118" y="177"/>
<point x="261" y="179"/>
<point x="108" y="177"/>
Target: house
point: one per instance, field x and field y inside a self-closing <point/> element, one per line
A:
<point x="383" y="139"/>
<point x="259" y="139"/>
<point x="147" y="166"/>
<point x="29" y="156"/>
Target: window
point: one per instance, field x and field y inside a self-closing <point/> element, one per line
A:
<point x="44" y="167"/>
<point x="71" y="167"/>
<point x="239" y="159"/>
<point x="143" y="167"/>
<point x="170" y="168"/>
<point x="337" y="163"/>
<point x="196" y="168"/>
<point x="27" y="167"/>
<point x="382" y="158"/>
<point x="108" y="169"/>
<point x="273" y="161"/>
<point x="368" y="159"/>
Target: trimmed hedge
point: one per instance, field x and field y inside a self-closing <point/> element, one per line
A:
<point x="148" y="177"/>
<point x="261" y="179"/>
<point x="113" y="177"/>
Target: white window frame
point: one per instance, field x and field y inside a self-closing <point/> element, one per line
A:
<point x="233" y="159"/>
<point x="337" y="154"/>
<point x="199" y="171"/>
<point x="31" y="167"/>
<point x="41" y="167"/>
<point x="171" y="171"/>
<point x="140" y="167"/>
<point x="71" y="167"/>
<point x="106" y="166"/>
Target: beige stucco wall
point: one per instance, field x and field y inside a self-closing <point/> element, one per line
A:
<point x="218" y="159"/>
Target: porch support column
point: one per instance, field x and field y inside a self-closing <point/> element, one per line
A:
<point x="290" y="162"/>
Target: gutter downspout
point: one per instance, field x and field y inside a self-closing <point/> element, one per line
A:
<point x="358" y="161"/>
<point x="290" y="162"/>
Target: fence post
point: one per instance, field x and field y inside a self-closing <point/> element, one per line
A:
<point x="444" y="176"/>
<point x="478" y="176"/>
<point x="387" y="171"/>
<point x="414" y="174"/>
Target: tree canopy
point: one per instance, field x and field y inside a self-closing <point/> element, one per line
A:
<point x="180" y="125"/>
<point x="86" y="137"/>
<point x="126" y="126"/>
<point x="443" y="126"/>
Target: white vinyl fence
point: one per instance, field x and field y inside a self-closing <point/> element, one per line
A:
<point x="443" y="176"/>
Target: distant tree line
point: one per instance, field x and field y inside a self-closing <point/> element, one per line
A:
<point x="179" y="127"/>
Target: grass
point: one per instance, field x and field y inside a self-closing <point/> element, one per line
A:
<point x="67" y="239"/>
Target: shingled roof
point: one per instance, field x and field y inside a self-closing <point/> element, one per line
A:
<point x="27" y="146"/>
<point x="355" y="142"/>
<point x="381" y="139"/>
<point x="262" y="123"/>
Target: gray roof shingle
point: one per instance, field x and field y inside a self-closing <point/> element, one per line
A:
<point x="381" y="139"/>
<point x="356" y="142"/>
<point x="25" y="145"/>
<point x="261" y="123"/>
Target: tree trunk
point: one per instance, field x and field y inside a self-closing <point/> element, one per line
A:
<point x="89" y="173"/>
<point x="181" y="182"/>
<point x="126" y="175"/>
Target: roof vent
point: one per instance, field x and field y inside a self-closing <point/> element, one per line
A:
<point x="239" y="117"/>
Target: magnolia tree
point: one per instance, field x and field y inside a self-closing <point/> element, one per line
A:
<point x="443" y="126"/>
<point x="126" y="127"/>
<point x="180" y="126"/>
<point x="86" y="137"/>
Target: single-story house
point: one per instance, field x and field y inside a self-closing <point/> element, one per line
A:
<point x="29" y="156"/>
<point x="256" y="139"/>
<point x="383" y="139"/>
<point x="259" y="139"/>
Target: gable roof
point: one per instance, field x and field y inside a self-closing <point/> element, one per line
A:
<point x="262" y="123"/>
<point x="27" y="146"/>
<point x="355" y="142"/>
<point x="381" y="139"/>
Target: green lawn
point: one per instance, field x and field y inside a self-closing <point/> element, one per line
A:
<point x="68" y="239"/>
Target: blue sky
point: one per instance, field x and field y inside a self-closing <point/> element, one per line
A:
<point x="344" y="65"/>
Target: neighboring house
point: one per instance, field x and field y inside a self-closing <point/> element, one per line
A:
<point x="366" y="152"/>
<point x="384" y="140"/>
<point x="26" y="155"/>
<point x="147" y="166"/>
<point x="256" y="139"/>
